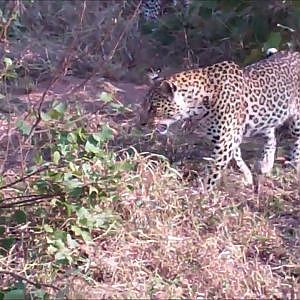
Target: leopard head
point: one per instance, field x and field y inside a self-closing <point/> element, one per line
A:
<point x="175" y="98"/>
<point x="159" y="108"/>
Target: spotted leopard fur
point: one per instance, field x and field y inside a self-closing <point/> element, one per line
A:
<point x="151" y="10"/>
<point x="229" y="103"/>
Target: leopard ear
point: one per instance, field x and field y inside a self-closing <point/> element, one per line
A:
<point x="167" y="88"/>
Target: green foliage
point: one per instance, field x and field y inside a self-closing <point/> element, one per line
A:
<point x="82" y="175"/>
<point x="108" y="98"/>
<point x="247" y="27"/>
<point x="9" y="69"/>
<point x="17" y="291"/>
<point x="16" y="218"/>
<point x="12" y="18"/>
<point x="13" y="294"/>
<point x="81" y="179"/>
<point x="23" y="126"/>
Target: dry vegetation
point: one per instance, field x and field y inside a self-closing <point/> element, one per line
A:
<point x="129" y="221"/>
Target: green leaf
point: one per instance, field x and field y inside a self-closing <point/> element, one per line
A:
<point x="60" y="107"/>
<point x="91" y="148"/>
<point x="23" y="127"/>
<point x="17" y="294"/>
<point x="71" y="242"/>
<point x="74" y="184"/>
<point x="51" y="249"/>
<point x="19" y="286"/>
<point x="164" y="37"/>
<point x="261" y="27"/>
<point x="72" y="137"/>
<point x="56" y="157"/>
<point x="48" y="228"/>
<point x="76" y="192"/>
<point x="59" y="244"/>
<point x="8" y="62"/>
<point x="63" y="257"/>
<point x="82" y="212"/>
<point x="97" y="136"/>
<point x="70" y="208"/>
<point x="124" y="165"/>
<point x="54" y="114"/>
<point x="2" y="230"/>
<point x="106" y="97"/>
<point x="118" y="107"/>
<point x="20" y="216"/>
<point x="39" y="294"/>
<point x="7" y="243"/>
<point x="60" y="235"/>
<point x="81" y="133"/>
<point x="106" y="133"/>
<point x="73" y="167"/>
<point x="86" y="236"/>
<point x="148" y="27"/>
<point x="77" y="230"/>
<point x="45" y="117"/>
<point x="86" y="168"/>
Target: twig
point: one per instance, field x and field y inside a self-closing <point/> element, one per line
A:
<point x="82" y="12"/>
<point x="23" y="178"/>
<point x="111" y="54"/>
<point x="21" y="277"/>
<point x="62" y="66"/>
<point x="37" y="198"/>
<point x="3" y="34"/>
<point x="7" y="145"/>
<point x="21" y="197"/>
<point x="39" y="117"/>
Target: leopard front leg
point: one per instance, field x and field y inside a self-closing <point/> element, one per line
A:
<point x="223" y="151"/>
<point x="242" y="166"/>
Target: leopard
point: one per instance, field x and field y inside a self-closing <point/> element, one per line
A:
<point x="152" y="10"/>
<point x="230" y="103"/>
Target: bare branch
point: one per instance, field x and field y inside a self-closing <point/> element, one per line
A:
<point x="32" y="198"/>
<point x="23" y="178"/>
<point x="21" y="277"/>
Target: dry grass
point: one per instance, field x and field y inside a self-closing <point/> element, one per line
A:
<point x="174" y="243"/>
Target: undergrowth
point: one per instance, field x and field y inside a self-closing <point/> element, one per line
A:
<point x="91" y="206"/>
<point x="91" y="222"/>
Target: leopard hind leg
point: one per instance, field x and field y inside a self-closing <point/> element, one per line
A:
<point x="265" y="164"/>
<point x="294" y="127"/>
